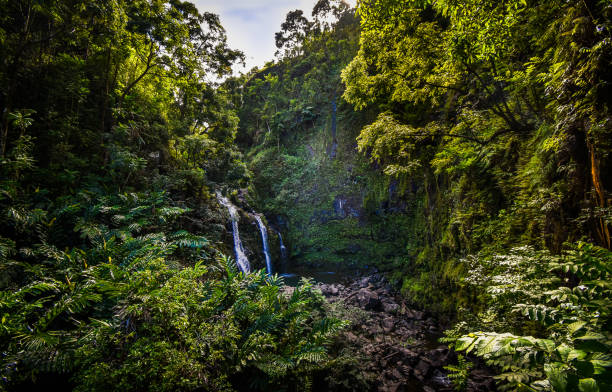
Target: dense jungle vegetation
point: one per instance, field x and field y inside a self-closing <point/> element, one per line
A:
<point x="463" y="148"/>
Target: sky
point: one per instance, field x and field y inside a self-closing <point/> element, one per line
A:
<point x="251" y="24"/>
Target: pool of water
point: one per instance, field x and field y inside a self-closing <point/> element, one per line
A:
<point x="327" y="276"/>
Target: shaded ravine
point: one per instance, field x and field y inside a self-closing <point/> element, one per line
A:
<point x="398" y="346"/>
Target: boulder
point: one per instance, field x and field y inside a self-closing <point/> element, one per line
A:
<point x="422" y="370"/>
<point x="395" y="387"/>
<point x="388" y="324"/>
<point x="363" y="282"/>
<point x="352" y="338"/>
<point x="390" y="307"/>
<point x="414" y="314"/>
<point x="367" y="299"/>
<point x="396" y="374"/>
<point x="438" y="357"/>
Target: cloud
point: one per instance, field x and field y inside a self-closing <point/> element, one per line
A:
<point x="251" y="24"/>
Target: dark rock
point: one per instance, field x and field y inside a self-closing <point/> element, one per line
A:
<point x="381" y="291"/>
<point x="422" y="370"/>
<point x="390" y="307"/>
<point x="408" y="356"/>
<point x="438" y="357"/>
<point x="351" y="337"/>
<point x="481" y="386"/>
<point x="395" y="340"/>
<point x="375" y="330"/>
<point x="395" y="387"/>
<point x="368" y="299"/>
<point x="363" y="282"/>
<point x="414" y="314"/>
<point x="396" y="374"/>
<point x="388" y="324"/>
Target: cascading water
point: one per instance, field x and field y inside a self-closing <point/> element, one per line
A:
<point x="283" y="252"/>
<point x="264" y="240"/>
<point x="241" y="260"/>
<point x="283" y="249"/>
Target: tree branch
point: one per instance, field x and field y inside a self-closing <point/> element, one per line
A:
<point x="150" y="64"/>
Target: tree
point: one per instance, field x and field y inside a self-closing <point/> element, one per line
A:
<point x="465" y="76"/>
<point x="293" y="32"/>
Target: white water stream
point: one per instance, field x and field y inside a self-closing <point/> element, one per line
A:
<point x="241" y="260"/>
<point x="264" y="240"/>
<point x="283" y="249"/>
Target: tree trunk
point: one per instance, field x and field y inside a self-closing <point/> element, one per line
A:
<point x="603" y="231"/>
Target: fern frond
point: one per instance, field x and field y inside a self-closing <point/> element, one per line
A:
<point x="185" y="239"/>
<point x="7" y="248"/>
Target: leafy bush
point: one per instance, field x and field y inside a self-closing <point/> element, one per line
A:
<point x="563" y="300"/>
<point x="136" y="304"/>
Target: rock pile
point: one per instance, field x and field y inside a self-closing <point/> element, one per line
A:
<point x="400" y="343"/>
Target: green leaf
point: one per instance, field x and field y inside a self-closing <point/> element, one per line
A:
<point x="576" y="326"/>
<point x="591" y="336"/>
<point x="522" y="342"/>
<point x="576" y="354"/>
<point x="600" y="366"/>
<point x="557" y="376"/>
<point x="588" y="385"/>
<point x="591" y="346"/>
<point x="546" y="345"/>
<point x="463" y="343"/>
<point x="563" y="351"/>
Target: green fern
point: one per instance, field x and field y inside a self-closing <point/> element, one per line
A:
<point x="459" y="373"/>
<point x="575" y="315"/>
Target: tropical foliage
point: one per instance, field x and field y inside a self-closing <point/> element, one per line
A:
<point x="111" y="268"/>
<point x="563" y="302"/>
<point x="141" y="308"/>
<point x="499" y="110"/>
<point x="461" y="147"/>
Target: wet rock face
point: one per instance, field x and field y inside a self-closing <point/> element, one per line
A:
<point x="398" y="343"/>
<point x="345" y="206"/>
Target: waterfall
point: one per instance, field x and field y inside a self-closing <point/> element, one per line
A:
<point x="264" y="239"/>
<point x="241" y="260"/>
<point x="283" y="250"/>
<point x="334" y="147"/>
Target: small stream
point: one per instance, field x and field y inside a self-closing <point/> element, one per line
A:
<point x="264" y="239"/>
